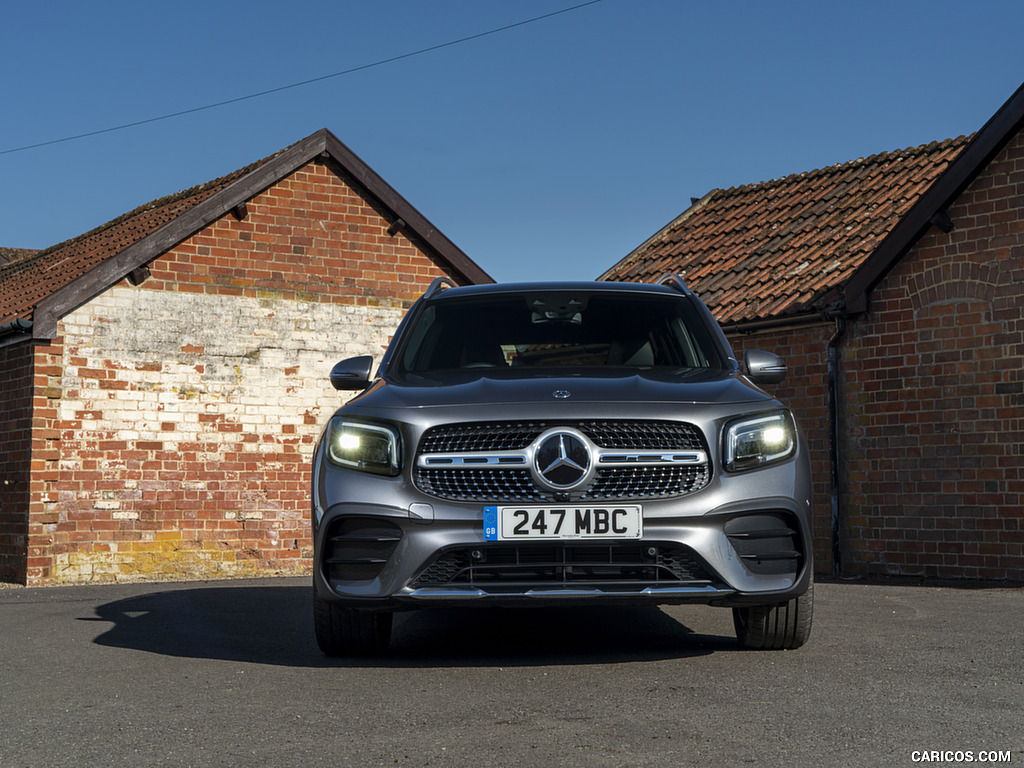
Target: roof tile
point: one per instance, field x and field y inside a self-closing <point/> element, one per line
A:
<point x="26" y="280"/>
<point x="778" y="247"/>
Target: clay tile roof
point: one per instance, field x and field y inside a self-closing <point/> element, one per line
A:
<point x="27" y="280"/>
<point x="778" y="248"/>
<point x="41" y="286"/>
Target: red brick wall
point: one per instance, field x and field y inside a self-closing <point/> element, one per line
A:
<point x="43" y="514"/>
<point x="311" y="236"/>
<point x="175" y="420"/>
<point x="934" y="376"/>
<point x="805" y="390"/>
<point x="15" y="441"/>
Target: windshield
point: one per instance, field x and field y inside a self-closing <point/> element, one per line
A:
<point x="560" y="330"/>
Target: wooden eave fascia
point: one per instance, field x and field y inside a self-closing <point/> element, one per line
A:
<point x="107" y="274"/>
<point x="83" y="289"/>
<point x="414" y="222"/>
<point x="781" y="323"/>
<point x="986" y="144"/>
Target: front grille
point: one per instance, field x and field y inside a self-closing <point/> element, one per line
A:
<point x="647" y="482"/>
<point x="644" y="435"/>
<point x="516" y="567"/>
<point x="478" y="484"/>
<point x="357" y="549"/>
<point x="504" y="436"/>
<point x="516" y="484"/>
<point x="469" y="438"/>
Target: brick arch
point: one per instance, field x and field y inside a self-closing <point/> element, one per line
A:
<point x="954" y="281"/>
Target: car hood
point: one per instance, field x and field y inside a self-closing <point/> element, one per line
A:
<point x="504" y="388"/>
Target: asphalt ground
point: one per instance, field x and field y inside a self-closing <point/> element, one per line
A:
<point x="228" y="674"/>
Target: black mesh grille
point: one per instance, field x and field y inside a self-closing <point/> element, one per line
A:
<point x="643" y="435"/>
<point x="478" y="484"/>
<point x="499" y="484"/>
<point x="515" y="567"/>
<point x="647" y="482"/>
<point x="480" y="437"/>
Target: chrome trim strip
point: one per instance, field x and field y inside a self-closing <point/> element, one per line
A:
<point x="445" y="594"/>
<point x="670" y="591"/>
<point x="610" y="458"/>
<point x="456" y="593"/>
<point x="471" y="460"/>
<point x="605" y="457"/>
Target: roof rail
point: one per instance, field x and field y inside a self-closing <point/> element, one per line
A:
<point x="439" y="284"/>
<point x="672" y="280"/>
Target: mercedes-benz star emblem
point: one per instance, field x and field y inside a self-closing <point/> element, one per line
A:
<point x="563" y="460"/>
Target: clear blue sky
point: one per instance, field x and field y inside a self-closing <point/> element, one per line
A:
<point x="547" y="151"/>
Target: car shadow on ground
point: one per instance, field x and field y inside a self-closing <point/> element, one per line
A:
<point x="273" y="625"/>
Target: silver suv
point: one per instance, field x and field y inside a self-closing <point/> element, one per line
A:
<point x="560" y="443"/>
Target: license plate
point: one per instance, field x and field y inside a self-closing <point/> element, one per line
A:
<point x="522" y="523"/>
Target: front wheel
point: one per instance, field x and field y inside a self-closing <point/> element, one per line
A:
<point x="776" y="627"/>
<point x="350" y="631"/>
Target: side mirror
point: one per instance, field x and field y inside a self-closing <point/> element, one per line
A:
<point x="764" y="367"/>
<point x="353" y="373"/>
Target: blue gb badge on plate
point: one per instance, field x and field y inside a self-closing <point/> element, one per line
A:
<point x="490" y="523"/>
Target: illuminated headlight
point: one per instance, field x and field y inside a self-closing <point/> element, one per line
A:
<point x="366" y="447"/>
<point x="758" y="441"/>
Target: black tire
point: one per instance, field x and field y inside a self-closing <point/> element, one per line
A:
<point x="350" y="631"/>
<point x="776" y="627"/>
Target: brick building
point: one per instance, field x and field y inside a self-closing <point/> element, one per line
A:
<point x="163" y="378"/>
<point x="894" y="287"/>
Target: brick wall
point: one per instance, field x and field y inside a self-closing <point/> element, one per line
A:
<point x="180" y="415"/>
<point x="15" y="440"/>
<point x="934" y="377"/>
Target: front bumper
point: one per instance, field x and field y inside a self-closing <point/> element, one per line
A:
<point x="744" y="539"/>
<point x="371" y="556"/>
